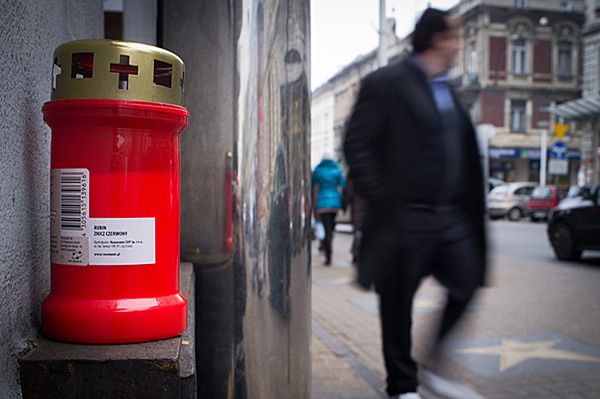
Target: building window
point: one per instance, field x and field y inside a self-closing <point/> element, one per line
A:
<point x="517" y="116"/>
<point x="520" y="3"/>
<point x="519" y="56"/>
<point x="565" y="59"/>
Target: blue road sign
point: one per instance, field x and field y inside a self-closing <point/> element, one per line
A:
<point x="559" y="150"/>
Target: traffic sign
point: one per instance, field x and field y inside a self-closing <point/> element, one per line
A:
<point x="561" y="129"/>
<point x="559" y="150"/>
<point x="558" y="167"/>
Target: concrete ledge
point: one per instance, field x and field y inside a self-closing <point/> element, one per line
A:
<point x="160" y="369"/>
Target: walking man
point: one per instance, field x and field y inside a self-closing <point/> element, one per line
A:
<point x="413" y="155"/>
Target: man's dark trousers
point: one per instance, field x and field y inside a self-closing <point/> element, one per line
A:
<point x="436" y="242"/>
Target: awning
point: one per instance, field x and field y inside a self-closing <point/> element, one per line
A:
<point x="578" y="109"/>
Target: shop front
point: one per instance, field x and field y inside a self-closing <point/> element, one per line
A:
<point x="513" y="164"/>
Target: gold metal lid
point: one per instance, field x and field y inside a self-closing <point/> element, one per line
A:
<point x="117" y="70"/>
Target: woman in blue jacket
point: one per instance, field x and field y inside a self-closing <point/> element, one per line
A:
<point x="327" y="188"/>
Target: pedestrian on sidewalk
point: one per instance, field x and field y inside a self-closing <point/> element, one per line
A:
<point x="413" y="155"/>
<point x="327" y="187"/>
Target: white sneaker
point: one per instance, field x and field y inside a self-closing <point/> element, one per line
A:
<point x="446" y="387"/>
<point x="408" y="395"/>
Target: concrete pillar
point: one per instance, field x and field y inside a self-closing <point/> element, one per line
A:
<point x="247" y="89"/>
<point x="200" y="32"/>
<point x="272" y="157"/>
<point x="139" y="21"/>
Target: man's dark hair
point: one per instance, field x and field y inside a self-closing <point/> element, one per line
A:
<point x="431" y="22"/>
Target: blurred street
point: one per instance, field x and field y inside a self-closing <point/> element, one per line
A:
<point x="533" y="333"/>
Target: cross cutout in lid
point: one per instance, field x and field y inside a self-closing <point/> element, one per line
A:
<point x="124" y="70"/>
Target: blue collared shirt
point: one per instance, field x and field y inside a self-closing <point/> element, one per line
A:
<point x="441" y="93"/>
<point x="440" y="89"/>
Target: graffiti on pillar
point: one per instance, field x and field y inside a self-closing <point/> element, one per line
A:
<point x="279" y="236"/>
<point x="273" y="201"/>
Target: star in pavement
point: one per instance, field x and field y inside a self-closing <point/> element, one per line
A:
<point x="513" y="352"/>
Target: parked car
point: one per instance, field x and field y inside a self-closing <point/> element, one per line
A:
<point x="577" y="191"/>
<point x="493" y="183"/>
<point x="509" y="200"/>
<point x="574" y="226"/>
<point x="575" y="194"/>
<point x="542" y="200"/>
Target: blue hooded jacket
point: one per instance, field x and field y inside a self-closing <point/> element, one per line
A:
<point x="329" y="176"/>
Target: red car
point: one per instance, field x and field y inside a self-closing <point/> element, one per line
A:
<point x="542" y="200"/>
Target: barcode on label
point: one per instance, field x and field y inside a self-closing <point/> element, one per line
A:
<point x="73" y="200"/>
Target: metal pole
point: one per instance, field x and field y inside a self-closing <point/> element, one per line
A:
<point x="381" y="50"/>
<point x="484" y="133"/>
<point x="543" y="155"/>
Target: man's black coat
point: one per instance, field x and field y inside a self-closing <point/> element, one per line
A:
<point x="394" y="146"/>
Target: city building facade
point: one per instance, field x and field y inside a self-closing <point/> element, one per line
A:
<point x="322" y="107"/>
<point x="586" y="110"/>
<point x="334" y="100"/>
<point x="518" y="59"/>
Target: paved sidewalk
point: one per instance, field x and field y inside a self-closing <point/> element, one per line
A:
<point x="346" y="347"/>
<point x="346" y="350"/>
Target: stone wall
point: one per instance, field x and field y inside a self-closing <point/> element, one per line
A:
<point x="30" y="30"/>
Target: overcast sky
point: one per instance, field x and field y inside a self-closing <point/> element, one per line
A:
<point x="341" y="30"/>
